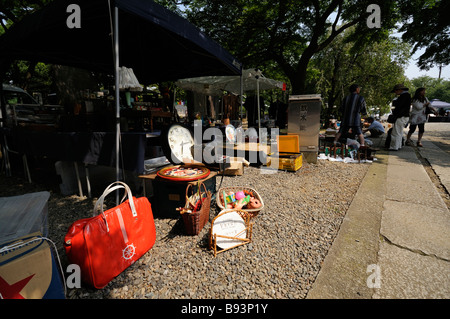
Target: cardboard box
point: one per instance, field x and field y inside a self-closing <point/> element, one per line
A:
<point x="236" y="167"/>
<point x="28" y="270"/>
<point x="286" y="161"/>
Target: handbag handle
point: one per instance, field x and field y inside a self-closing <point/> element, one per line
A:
<point x="111" y="188"/>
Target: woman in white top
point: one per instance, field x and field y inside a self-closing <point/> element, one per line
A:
<point x="417" y="116"/>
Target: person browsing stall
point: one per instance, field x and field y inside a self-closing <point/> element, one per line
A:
<point x="352" y="106"/>
<point x="375" y="128"/>
<point x="401" y="113"/>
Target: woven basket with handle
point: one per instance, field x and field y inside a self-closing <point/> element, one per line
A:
<point x="195" y="221"/>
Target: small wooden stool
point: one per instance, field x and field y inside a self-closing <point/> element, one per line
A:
<point x="361" y="151"/>
<point x="334" y="148"/>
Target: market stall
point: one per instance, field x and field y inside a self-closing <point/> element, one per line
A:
<point x="155" y="42"/>
<point x="110" y="241"/>
<point x="251" y="80"/>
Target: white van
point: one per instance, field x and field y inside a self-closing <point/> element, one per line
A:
<point x="22" y="108"/>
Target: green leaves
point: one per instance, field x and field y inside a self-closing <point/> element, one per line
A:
<point x="289" y="33"/>
<point x="426" y="25"/>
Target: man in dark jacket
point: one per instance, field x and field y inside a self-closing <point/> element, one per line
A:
<point x="352" y="106"/>
<point x="401" y="112"/>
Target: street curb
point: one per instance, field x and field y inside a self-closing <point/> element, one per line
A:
<point x="346" y="269"/>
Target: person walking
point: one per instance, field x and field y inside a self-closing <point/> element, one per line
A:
<point x="418" y="116"/>
<point x="352" y="106"/>
<point x="401" y="112"/>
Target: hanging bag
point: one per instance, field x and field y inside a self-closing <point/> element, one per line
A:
<point x="391" y="118"/>
<point x="109" y="242"/>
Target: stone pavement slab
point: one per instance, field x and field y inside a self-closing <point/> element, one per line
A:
<point x="408" y="182"/>
<point x="397" y="223"/>
<point x="439" y="160"/>
<point x="409" y="275"/>
<point x="417" y="227"/>
<point x="344" y="274"/>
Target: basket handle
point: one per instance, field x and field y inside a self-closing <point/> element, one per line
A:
<point x="200" y="184"/>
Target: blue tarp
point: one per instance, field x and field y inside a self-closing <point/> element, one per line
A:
<point x="156" y="43"/>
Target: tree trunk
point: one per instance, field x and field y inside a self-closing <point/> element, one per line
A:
<point x="298" y="81"/>
<point x="332" y="95"/>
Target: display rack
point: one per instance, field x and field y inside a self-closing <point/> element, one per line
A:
<point x="231" y="228"/>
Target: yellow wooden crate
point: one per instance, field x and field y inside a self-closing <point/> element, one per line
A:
<point x="286" y="161"/>
<point x="288" y="143"/>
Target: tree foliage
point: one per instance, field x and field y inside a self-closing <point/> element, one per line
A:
<point x="375" y="66"/>
<point x="316" y="46"/>
<point x="12" y="11"/>
<point x="26" y="74"/>
<point x="435" y="88"/>
<point x="427" y="26"/>
<point x="288" y="32"/>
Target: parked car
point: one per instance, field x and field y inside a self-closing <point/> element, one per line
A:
<point x="22" y="108"/>
<point x="20" y="105"/>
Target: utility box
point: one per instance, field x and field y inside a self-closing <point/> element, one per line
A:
<point x="304" y="120"/>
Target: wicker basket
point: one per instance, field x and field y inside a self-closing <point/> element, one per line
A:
<point x="195" y="221"/>
<point x="253" y="212"/>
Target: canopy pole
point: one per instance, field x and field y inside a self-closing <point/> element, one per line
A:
<point x="2" y="103"/>
<point x="174" y="109"/>
<point x="117" y="70"/>
<point x="241" y="111"/>
<point x="259" y="108"/>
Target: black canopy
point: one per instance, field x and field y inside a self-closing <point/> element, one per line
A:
<point x="155" y="42"/>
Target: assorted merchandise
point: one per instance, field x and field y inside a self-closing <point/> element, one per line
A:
<point x="183" y="173"/>
<point x="166" y="195"/>
<point x="239" y="200"/>
<point x="110" y="241"/>
<point x="238" y="197"/>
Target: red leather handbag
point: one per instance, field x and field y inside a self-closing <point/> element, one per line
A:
<point x="106" y="244"/>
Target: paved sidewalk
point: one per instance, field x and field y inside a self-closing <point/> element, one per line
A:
<point x="395" y="239"/>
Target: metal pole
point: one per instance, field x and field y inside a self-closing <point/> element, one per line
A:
<point x="259" y="109"/>
<point x="116" y="62"/>
<point x="241" y="111"/>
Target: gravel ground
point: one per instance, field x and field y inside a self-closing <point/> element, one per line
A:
<point x="291" y="237"/>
